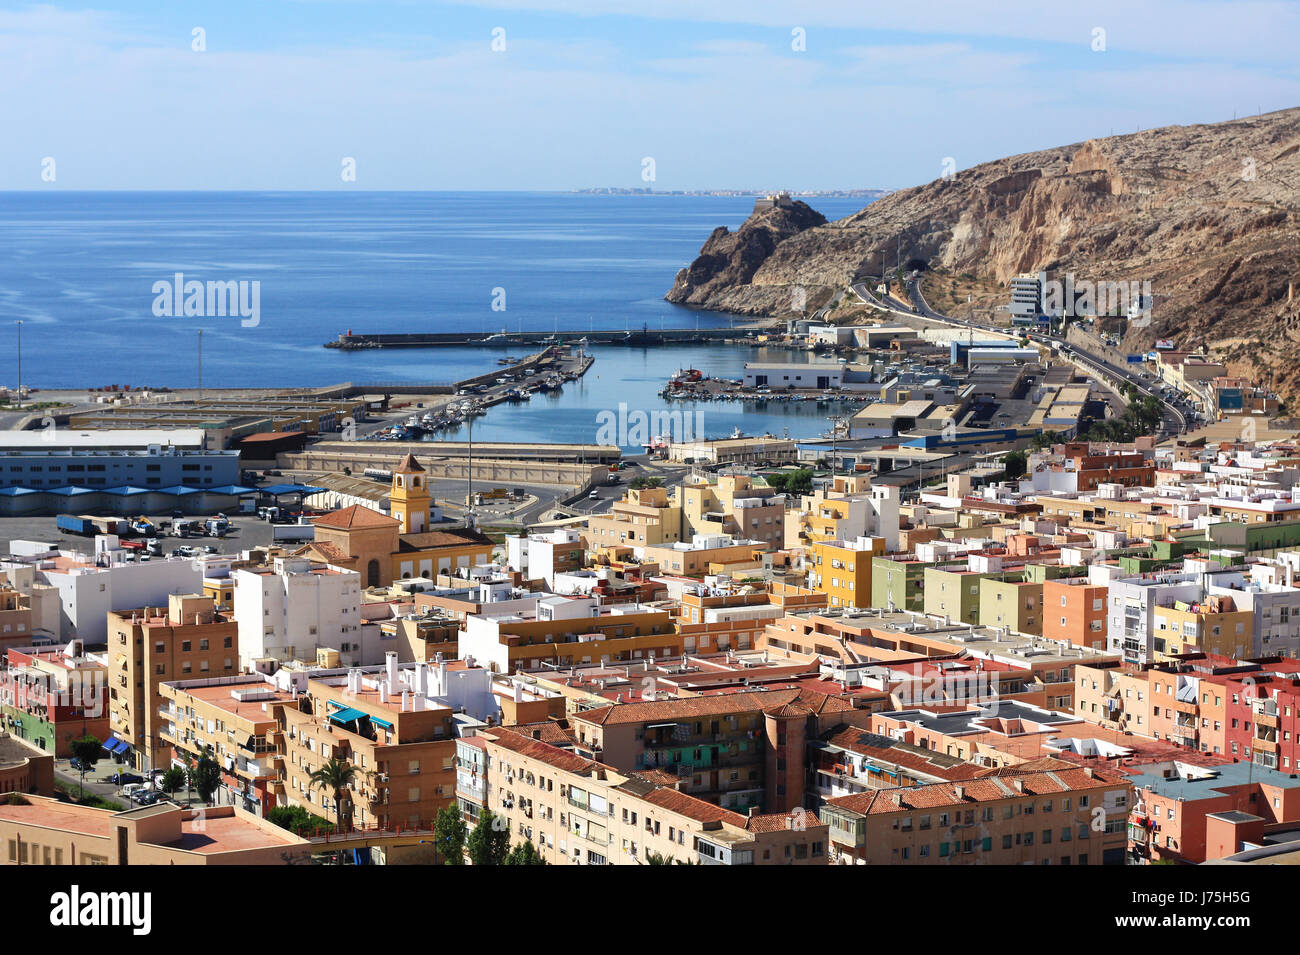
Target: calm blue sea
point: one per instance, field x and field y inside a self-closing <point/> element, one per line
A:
<point x="78" y="269"/>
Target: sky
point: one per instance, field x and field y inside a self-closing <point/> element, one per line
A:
<point x="565" y="94"/>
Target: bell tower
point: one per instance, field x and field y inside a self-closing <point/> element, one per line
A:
<point x="409" y="500"/>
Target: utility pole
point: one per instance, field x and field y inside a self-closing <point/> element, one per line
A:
<point x="20" y="365"/>
<point x="469" y="476"/>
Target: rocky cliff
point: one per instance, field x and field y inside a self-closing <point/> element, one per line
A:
<point x="1209" y="215"/>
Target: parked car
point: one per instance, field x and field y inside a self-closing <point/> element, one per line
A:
<point x="79" y="766"/>
<point x="147" y="797"/>
<point x="131" y="790"/>
<point x="121" y="779"/>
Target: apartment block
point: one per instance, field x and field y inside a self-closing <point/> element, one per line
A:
<point x="1051" y="814"/>
<point x="842" y="570"/>
<point x="577" y="811"/>
<point x="397" y="725"/>
<point x="49" y="697"/>
<point x="1190" y="814"/>
<point x="1074" y="611"/>
<point x="565" y="631"/>
<point x="150" y="646"/>
<point x="288" y="610"/>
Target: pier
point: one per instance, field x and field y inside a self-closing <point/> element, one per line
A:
<point x="645" y="336"/>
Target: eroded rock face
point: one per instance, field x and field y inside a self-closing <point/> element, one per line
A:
<point x="731" y="259"/>
<point x="1177" y="207"/>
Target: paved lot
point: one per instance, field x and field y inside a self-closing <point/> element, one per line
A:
<point x="246" y="531"/>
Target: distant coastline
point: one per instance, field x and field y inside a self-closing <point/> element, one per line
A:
<point x="796" y="193"/>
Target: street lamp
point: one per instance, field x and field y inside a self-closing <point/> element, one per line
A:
<point x="20" y="365"/>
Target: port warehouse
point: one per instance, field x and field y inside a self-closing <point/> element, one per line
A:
<point x="59" y="471"/>
<point x="224" y="422"/>
<point x="563" y="465"/>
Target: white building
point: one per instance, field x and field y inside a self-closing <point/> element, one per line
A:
<point x="287" y="611"/>
<point x="1027" y="293"/>
<point x="803" y="375"/>
<point x="540" y="556"/>
<point x="88" y="592"/>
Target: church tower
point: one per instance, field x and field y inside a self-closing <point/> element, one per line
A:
<point x="409" y="500"/>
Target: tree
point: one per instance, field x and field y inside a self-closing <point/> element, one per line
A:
<point x="297" y="820"/>
<point x="1013" y="464"/>
<point x="791" y="482"/>
<point x="172" y="780"/>
<point x="86" y="751"/>
<point x="337" y="776"/>
<point x="658" y="858"/>
<point x="204" y="775"/>
<point x="524" y="854"/>
<point x="489" y="843"/>
<point x="449" y="835"/>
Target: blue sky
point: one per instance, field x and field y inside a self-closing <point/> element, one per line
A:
<point x="585" y="90"/>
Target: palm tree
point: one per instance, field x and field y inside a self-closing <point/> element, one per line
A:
<point x="337" y="776"/>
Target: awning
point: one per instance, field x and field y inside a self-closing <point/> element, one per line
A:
<point x="384" y="723"/>
<point x="347" y="716"/>
<point x="115" y="745"/>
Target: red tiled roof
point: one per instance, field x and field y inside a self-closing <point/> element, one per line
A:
<point x="687" y="707"/>
<point x="561" y="759"/>
<point x="356" y="516"/>
<point x="989" y="788"/>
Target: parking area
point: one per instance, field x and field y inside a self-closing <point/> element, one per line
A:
<point x="246" y="531"/>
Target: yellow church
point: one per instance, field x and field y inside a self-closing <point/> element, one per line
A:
<point x="398" y="545"/>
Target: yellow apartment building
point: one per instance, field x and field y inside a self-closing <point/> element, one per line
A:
<point x="643" y="518"/>
<point x="1212" y="626"/>
<point x="239" y="718"/>
<point x="842" y="570"/>
<point x="734" y="506"/>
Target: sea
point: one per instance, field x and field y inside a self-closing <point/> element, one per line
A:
<point x="91" y="275"/>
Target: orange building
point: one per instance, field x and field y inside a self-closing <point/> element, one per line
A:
<point x="1075" y="610"/>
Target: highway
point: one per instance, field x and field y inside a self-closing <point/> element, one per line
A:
<point x="1172" y="422"/>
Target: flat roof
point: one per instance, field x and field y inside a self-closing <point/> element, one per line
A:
<point x="94" y="438"/>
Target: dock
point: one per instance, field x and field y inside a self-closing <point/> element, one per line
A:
<point x="645" y="336"/>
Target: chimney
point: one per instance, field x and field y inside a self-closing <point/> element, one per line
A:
<point x="383" y="691"/>
<point x="959" y="792"/>
<point x="422" y="679"/>
<point x="406" y="701"/>
<point x="518" y="692"/>
<point x="390" y="667"/>
<point x="1019" y="784"/>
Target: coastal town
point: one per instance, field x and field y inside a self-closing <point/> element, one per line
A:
<point x="485" y="435"/>
<point x="956" y="629"/>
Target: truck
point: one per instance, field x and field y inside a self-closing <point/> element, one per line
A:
<point x="216" y="526"/>
<point x="76" y="525"/>
<point x="286" y="533"/>
<point x="143" y="527"/>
